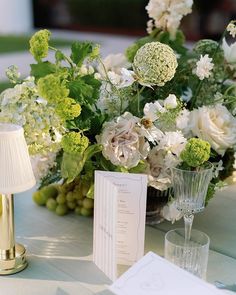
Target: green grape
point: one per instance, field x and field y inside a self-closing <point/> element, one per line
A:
<point x="49" y="192"/>
<point x="88" y="203"/>
<point x="67" y="187"/>
<point x="78" y="195"/>
<point x="39" y="198"/>
<point x="61" y="209"/>
<point x="61" y="199"/>
<point x="51" y="204"/>
<point x="78" y="210"/>
<point x="80" y="202"/>
<point x="71" y="205"/>
<point x="86" y="212"/>
<point x="70" y="197"/>
<point x="84" y="188"/>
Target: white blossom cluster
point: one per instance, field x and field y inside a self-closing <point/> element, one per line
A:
<point x="167" y="14"/>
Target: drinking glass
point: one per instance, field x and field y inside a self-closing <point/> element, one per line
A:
<point x="190" y="189"/>
<point x="191" y="256"/>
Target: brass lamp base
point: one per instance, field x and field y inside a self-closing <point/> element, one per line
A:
<point x="17" y="264"/>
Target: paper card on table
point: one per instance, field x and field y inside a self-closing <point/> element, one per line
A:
<point x="153" y="275"/>
<point x="119" y="220"/>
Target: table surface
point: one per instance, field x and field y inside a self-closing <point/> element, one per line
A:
<point x="59" y="249"/>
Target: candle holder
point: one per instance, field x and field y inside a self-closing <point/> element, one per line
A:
<point x="16" y="176"/>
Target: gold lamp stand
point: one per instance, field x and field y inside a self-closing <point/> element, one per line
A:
<point x="12" y="256"/>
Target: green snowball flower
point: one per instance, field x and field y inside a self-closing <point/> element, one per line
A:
<point x="155" y="64"/>
<point x="74" y="143"/>
<point x="68" y="109"/>
<point x="210" y="47"/>
<point x="196" y="152"/>
<point x="39" y="44"/>
<point x="52" y="89"/>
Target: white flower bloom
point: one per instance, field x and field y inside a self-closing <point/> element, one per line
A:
<point x="150" y="26"/>
<point x="204" y="67"/>
<point x="182" y="121"/>
<point x="113" y="63"/>
<point x="167" y="14"/>
<point x="151" y="133"/>
<point x="122" y="141"/>
<point x="173" y="142"/>
<point x="231" y="28"/>
<point x="114" y="78"/>
<point x="170" y="212"/>
<point x="124" y="79"/>
<point x="216" y="125"/>
<point x="152" y="109"/>
<point x="229" y="52"/>
<point x="163" y="157"/>
<point x="170" y="102"/>
<point x="127" y="78"/>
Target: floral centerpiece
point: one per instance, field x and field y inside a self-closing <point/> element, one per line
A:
<point x="159" y="105"/>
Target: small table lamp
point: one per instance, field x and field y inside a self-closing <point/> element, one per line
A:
<point x="16" y="176"/>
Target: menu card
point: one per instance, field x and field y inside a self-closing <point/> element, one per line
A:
<point x="119" y="220"/>
<point x="154" y="275"/>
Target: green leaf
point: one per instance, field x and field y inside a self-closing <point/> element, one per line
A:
<point x="81" y="91"/>
<point x="95" y="86"/>
<point x="79" y="51"/>
<point x="85" y="90"/>
<point x="71" y="166"/>
<point x="42" y="69"/>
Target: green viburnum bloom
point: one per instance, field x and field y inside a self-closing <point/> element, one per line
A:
<point x="39" y="44"/>
<point x="196" y="152"/>
<point x="74" y="143"/>
<point x="68" y="109"/>
<point x="52" y="89"/>
<point x="155" y="64"/>
<point x="210" y="47"/>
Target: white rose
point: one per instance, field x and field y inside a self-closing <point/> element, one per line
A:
<point x="216" y="125"/>
<point x="229" y="52"/>
<point x="170" y="102"/>
<point x="122" y="143"/>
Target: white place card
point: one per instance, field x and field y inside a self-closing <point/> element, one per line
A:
<point x="119" y="220"/>
<point x="154" y="275"/>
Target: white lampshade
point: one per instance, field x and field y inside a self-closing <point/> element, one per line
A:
<point x="16" y="174"/>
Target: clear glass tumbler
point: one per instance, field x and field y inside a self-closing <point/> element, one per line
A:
<point x="191" y="255"/>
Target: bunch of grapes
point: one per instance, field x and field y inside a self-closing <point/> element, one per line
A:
<point x="76" y="196"/>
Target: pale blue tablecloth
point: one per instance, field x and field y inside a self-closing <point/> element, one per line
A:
<point x="60" y="248"/>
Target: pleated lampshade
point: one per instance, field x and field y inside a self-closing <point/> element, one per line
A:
<point x="16" y="174"/>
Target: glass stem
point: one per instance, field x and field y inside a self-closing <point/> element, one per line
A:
<point x="188" y="221"/>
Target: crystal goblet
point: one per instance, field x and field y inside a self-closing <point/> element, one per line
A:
<point x="190" y="189"/>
